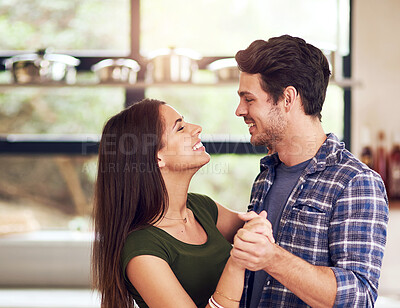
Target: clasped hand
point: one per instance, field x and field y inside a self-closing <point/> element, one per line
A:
<point x="253" y="244"/>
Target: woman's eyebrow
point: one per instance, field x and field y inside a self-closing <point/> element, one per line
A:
<point x="177" y="121"/>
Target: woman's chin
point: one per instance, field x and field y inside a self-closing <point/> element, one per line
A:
<point x="204" y="162"/>
<point x="207" y="158"/>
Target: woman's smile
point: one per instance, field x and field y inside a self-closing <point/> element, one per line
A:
<point x="198" y="147"/>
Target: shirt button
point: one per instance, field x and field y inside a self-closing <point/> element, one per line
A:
<point x="301" y="187"/>
<point x="268" y="282"/>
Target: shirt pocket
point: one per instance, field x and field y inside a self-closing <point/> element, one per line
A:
<point x="308" y="226"/>
<point x="310" y="215"/>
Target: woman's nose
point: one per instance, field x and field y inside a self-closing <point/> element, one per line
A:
<point x="196" y="129"/>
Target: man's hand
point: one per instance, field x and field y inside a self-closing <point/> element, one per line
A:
<point x="258" y="223"/>
<point x="253" y="244"/>
<point x="254" y="248"/>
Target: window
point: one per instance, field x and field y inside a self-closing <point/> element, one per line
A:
<point x="54" y="189"/>
<point x="95" y="26"/>
<point x="221" y="28"/>
<point x="57" y="188"/>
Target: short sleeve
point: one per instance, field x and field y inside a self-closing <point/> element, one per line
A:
<point x="142" y="242"/>
<point x="203" y="203"/>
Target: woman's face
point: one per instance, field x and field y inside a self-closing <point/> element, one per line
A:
<point x="182" y="148"/>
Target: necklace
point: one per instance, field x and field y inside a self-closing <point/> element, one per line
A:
<point x="183" y="219"/>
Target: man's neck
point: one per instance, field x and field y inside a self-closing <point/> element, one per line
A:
<point x="301" y="143"/>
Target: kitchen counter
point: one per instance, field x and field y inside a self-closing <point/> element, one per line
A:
<point x="45" y="258"/>
<point x="49" y="298"/>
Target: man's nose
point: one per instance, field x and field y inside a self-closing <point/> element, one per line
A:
<point x="241" y="110"/>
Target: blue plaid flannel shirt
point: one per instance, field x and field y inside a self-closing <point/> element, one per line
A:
<point x="336" y="216"/>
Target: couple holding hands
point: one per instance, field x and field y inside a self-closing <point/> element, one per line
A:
<point x="315" y="231"/>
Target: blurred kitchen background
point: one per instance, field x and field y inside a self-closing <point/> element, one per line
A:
<point x="66" y="66"/>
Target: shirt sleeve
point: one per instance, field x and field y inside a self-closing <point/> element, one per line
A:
<point x="357" y="240"/>
<point x="140" y="243"/>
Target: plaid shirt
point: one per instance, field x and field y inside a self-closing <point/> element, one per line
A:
<point x="336" y="216"/>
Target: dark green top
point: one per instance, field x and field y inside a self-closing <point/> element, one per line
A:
<point x="197" y="267"/>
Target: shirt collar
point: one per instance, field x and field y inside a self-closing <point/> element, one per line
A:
<point x="269" y="161"/>
<point x="328" y="154"/>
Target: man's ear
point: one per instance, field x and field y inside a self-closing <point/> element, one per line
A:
<point x="289" y="95"/>
<point x="161" y="163"/>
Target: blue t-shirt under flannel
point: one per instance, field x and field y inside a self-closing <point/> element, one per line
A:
<point x="284" y="181"/>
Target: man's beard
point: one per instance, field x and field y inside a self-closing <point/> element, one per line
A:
<point x="274" y="133"/>
<point x="267" y="140"/>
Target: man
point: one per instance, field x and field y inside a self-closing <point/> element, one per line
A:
<point x="328" y="211"/>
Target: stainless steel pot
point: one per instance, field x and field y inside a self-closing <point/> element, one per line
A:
<point x="116" y="70"/>
<point x="42" y="67"/>
<point x="226" y="70"/>
<point x="172" y="65"/>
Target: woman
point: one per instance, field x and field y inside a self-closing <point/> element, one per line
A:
<point x="155" y="242"/>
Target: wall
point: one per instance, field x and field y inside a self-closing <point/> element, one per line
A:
<point x="375" y="104"/>
<point x="376" y="65"/>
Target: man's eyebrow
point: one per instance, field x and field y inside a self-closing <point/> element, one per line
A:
<point x="242" y="93"/>
<point x="177" y="121"/>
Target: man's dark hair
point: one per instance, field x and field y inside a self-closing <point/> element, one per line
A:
<point x="288" y="61"/>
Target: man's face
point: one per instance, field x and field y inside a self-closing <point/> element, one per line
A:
<point x="267" y="122"/>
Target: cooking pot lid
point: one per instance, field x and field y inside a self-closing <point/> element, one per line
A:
<point x="175" y="51"/>
<point x="130" y="63"/>
<point x="65" y="59"/>
<point x="222" y="63"/>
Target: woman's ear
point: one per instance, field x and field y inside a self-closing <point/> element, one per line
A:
<point x="161" y="163"/>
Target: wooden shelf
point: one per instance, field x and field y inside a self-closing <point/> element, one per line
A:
<point x="138" y="85"/>
<point x="344" y="83"/>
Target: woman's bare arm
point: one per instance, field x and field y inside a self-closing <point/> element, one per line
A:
<point x="228" y="222"/>
<point x="156" y="283"/>
<point x="158" y="286"/>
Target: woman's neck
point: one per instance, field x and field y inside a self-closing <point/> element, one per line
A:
<point x="177" y="187"/>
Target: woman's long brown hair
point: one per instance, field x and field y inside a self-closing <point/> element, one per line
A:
<point x="130" y="193"/>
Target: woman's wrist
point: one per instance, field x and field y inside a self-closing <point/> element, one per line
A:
<point x="231" y="265"/>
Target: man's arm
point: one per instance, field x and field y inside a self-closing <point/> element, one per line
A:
<point x="357" y="239"/>
<point x="315" y="285"/>
<point x="357" y="236"/>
